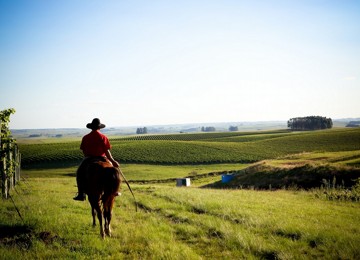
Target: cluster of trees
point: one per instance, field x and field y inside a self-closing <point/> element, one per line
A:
<point x="310" y="123"/>
<point x="141" y="130"/>
<point x="208" y="129"/>
<point x="35" y="135"/>
<point x="353" y="124"/>
<point x="233" y="128"/>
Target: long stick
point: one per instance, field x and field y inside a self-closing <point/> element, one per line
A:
<point x="127" y="183"/>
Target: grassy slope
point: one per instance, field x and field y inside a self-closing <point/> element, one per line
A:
<point x="304" y="170"/>
<point x="176" y="223"/>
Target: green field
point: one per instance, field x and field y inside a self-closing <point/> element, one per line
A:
<point x="208" y="220"/>
<point x="210" y="148"/>
<point x="176" y="223"/>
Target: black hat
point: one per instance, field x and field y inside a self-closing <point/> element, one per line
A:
<point x="95" y="124"/>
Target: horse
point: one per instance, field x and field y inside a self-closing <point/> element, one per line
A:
<point x="102" y="183"/>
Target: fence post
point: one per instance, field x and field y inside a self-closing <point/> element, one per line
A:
<point x="4" y="187"/>
<point x="10" y="173"/>
<point x="17" y="166"/>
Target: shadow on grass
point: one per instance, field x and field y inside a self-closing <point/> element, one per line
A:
<point x="16" y="235"/>
<point x="50" y="165"/>
<point x="70" y="174"/>
<point x="23" y="236"/>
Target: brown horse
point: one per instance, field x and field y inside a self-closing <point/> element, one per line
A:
<point x="102" y="185"/>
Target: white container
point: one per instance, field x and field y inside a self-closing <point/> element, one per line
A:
<point x="183" y="182"/>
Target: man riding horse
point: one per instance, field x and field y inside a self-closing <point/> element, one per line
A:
<point x="95" y="147"/>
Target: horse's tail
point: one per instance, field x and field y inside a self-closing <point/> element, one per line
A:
<point x="111" y="180"/>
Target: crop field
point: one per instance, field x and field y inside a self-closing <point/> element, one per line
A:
<point x="208" y="220"/>
<point x="202" y="148"/>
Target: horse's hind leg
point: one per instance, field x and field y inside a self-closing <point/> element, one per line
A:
<point x="93" y="204"/>
<point x="96" y="210"/>
<point x="99" y="215"/>
<point x="107" y="218"/>
<point x="108" y="206"/>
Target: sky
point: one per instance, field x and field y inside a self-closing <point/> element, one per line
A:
<point x="141" y="63"/>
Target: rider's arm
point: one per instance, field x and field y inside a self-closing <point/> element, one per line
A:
<point x="111" y="159"/>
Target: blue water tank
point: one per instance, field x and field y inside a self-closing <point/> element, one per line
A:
<point x="225" y="178"/>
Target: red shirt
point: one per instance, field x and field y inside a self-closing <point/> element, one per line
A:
<point x="95" y="144"/>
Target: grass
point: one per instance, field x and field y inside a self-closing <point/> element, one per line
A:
<point x="143" y="172"/>
<point x="300" y="171"/>
<point x="175" y="223"/>
<point x="192" y="222"/>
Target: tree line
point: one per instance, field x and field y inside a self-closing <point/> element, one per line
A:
<point x="310" y="123"/>
<point x="233" y="128"/>
<point x="208" y="129"/>
<point x="141" y="130"/>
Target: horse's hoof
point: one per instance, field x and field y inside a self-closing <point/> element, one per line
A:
<point x="117" y="194"/>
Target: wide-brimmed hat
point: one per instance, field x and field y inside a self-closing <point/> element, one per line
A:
<point x="95" y="124"/>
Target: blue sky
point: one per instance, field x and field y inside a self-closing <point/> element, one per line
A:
<point x="139" y="63"/>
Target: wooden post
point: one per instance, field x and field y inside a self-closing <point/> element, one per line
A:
<point x="17" y="167"/>
<point x="4" y="187"/>
<point x="10" y="174"/>
<point x="3" y="170"/>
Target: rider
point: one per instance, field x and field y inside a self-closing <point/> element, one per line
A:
<point x="95" y="146"/>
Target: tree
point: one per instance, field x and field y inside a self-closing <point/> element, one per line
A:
<point x="310" y="123"/>
<point x="208" y="129"/>
<point x="233" y="128"/>
<point x="5" y="136"/>
<point x="141" y="130"/>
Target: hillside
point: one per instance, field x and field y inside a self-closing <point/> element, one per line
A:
<point x="305" y="170"/>
<point x="209" y="148"/>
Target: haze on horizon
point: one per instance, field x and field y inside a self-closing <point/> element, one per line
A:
<point x="130" y="63"/>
